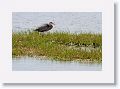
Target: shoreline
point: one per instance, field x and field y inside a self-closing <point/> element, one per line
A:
<point x="85" y="61"/>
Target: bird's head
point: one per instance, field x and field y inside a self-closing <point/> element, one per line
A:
<point x="51" y="23"/>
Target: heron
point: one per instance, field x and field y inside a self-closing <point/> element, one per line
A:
<point x="45" y="27"/>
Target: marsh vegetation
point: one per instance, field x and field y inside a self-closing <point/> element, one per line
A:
<point x="61" y="46"/>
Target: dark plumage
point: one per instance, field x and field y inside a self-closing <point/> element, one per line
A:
<point x="45" y="27"/>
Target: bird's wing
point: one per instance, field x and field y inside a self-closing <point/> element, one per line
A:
<point x="43" y="27"/>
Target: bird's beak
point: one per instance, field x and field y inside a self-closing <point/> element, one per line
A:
<point x="53" y="23"/>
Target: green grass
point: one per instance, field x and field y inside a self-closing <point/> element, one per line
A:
<point x="60" y="46"/>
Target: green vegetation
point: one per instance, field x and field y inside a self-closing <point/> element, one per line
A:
<point x="60" y="46"/>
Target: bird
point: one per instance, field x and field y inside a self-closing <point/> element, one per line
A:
<point x="45" y="27"/>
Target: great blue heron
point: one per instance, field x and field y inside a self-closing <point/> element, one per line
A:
<point x="45" y="27"/>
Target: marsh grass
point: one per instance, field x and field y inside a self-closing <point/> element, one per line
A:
<point x="60" y="46"/>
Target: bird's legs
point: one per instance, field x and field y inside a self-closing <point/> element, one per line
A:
<point x="42" y="34"/>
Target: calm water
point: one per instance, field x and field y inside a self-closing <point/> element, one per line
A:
<point x="65" y="21"/>
<point x="35" y="64"/>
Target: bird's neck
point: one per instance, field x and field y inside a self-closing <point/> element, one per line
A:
<point x="50" y="25"/>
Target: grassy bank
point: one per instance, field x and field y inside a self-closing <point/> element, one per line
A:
<point x="58" y="46"/>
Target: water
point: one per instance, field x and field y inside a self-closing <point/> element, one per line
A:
<point x="74" y="22"/>
<point x="36" y="64"/>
